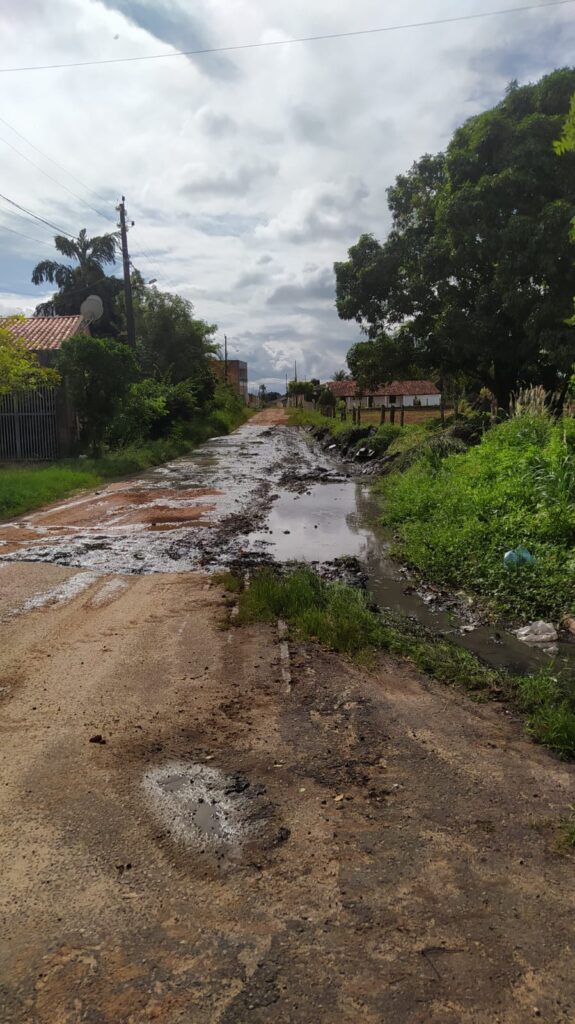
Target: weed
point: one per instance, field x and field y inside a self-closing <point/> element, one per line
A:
<point x="341" y="618"/>
<point x="228" y="581"/>
<point x="456" y="517"/>
<point x="567" y="829"/>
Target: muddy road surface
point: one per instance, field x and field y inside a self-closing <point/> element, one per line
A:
<point x="203" y="825"/>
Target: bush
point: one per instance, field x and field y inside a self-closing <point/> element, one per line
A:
<point x="456" y="517"/>
<point x="98" y="372"/>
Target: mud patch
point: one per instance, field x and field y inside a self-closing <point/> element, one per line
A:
<point x="59" y="594"/>
<point x="204" y="807"/>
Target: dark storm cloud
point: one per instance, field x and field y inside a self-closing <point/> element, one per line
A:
<point x="177" y="27"/>
<point x="223" y="225"/>
<point x="320" y="288"/>
<point x="309" y="126"/>
<point x="251" y="278"/>
<point x="235" y="182"/>
<point x="218" y="126"/>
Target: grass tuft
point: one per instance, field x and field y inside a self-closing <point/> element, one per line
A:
<point x="341" y="618"/>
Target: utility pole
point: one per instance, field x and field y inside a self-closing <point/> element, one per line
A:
<point x="225" y="358"/>
<point x="130" y="326"/>
<point x="295" y="371"/>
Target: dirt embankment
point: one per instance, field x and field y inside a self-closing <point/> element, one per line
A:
<point x="374" y="848"/>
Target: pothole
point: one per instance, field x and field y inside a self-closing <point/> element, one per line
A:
<point x="203" y="805"/>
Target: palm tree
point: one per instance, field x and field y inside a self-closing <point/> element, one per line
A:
<point x="91" y="254"/>
<point x="339" y="375"/>
<point x="86" y="277"/>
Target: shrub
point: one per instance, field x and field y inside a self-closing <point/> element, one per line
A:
<point x="456" y="517"/>
<point x="98" y="372"/>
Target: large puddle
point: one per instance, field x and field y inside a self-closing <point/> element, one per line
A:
<point x="335" y="520"/>
<point x="261" y="492"/>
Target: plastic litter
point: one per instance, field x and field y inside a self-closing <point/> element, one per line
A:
<point x="518" y="556"/>
<point x="537" y="633"/>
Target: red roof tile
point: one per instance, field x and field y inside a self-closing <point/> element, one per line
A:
<point x="348" y="388"/>
<point x="46" y="333"/>
<point x="342" y="388"/>
<point x="408" y="387"/>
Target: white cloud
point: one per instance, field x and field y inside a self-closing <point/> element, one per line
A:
<point x="248" y="174"/>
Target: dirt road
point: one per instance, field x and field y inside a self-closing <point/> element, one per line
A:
<point x="196" y="831"/>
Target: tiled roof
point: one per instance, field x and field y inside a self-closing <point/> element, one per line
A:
<point x="342" y="388"/>
<point x="348" y="388"/>
<point x="408" y="387"/>
<point x="46" y="333"/>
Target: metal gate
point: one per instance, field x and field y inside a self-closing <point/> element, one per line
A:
<point x="28" y="425"/>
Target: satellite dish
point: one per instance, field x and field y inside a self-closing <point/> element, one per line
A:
<point x="92" y="309"/>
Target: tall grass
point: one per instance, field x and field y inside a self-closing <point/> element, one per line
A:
<point x="456" y="517"/>
<point x="340" y="617"/>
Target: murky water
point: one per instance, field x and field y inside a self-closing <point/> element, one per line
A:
<point x="334" y="520"/>
<point x="250" y="495"/>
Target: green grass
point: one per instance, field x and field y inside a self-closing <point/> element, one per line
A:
<point x="340" y="618"/>
<point x="305" y="418"/>
<point x="28" y="487"/>
<point x="567" y="829"/>
<point x="456" y="517"/>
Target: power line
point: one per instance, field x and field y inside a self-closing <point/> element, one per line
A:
<point x="4" y="227"/>
<point x="55" y="180"/>
<point x="144" y="254"/>
<point x="36" y="217"/>
<point x="55" y="162"/>
<point x="289" y="42"/>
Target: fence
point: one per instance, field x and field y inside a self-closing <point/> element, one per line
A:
<point x="29" y="425"/>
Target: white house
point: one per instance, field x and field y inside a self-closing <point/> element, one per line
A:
<point x="407" y="393"/>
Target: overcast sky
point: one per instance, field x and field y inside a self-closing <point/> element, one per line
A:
<point x="247" y="174"/>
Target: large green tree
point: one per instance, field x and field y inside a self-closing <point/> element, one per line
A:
<point x="84" y="275"/>
<point x="171" y="343"/>
<point x="477" y="272"/>
<point x="98" y="373"/>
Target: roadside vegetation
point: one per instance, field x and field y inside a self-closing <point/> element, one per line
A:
<point x="25" y="488"/>
<point x="134" y="408"/>
<point x="456" y="517"/>
<point x="28" y="487"/>
<point x="342" y="619"/>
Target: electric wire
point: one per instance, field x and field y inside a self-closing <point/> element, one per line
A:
<point x="39" y="241"/>
<point x="55" y="162"/>
<point x="55" y="180"/>
<point x="290" y="42"/>
<point x="36" y="217"/>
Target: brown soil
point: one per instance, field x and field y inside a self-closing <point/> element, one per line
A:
<point x="270" y="418"/>
<point x="120" y="503"/>
<point x="406" y="869"/>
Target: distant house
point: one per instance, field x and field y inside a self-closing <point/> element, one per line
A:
<point x="406" y="393"/>
<point x="44" y="334"/>
<point x="237" y="375"/>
